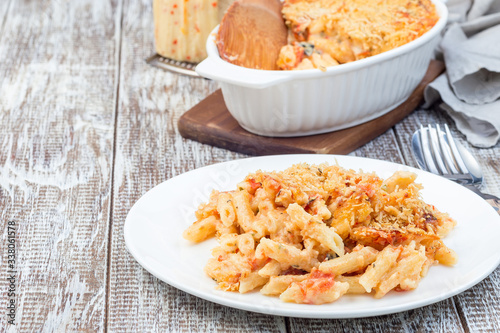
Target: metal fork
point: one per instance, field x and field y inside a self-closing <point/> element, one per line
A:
<point x="436" y="151"/>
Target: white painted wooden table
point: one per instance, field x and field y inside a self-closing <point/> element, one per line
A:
<point x="86" y="128"/>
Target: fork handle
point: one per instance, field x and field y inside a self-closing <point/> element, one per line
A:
<point x="491" y="199"/>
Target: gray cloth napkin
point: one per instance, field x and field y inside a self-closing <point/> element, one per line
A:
<point x="470" y="88"/>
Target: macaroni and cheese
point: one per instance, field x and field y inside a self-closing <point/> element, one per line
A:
<point x="312" y="233"/>
<point x="325" y="33"/>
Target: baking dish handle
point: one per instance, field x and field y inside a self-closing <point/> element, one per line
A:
<point x="222" y="71"/>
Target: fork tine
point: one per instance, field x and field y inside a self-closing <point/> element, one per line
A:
<point x="456" y="154"/>
<point x="447" y="155"/>
<point x="429" y="160"/>
<point x="436" y="150"/>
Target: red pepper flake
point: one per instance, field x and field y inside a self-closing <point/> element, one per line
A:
<point x="175" y="42"/>
<point x="214" y="4"/>
<point x="188" y="57"/>
<point x="175" y="5"/>
<point x="172" y="12"/>
<point x="197" y="28"/>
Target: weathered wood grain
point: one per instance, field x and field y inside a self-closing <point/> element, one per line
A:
<point x="436" y="318"/>
<point x="149" y="150"/>
<point x="57" y="74"/>
<point x="70" y="171"/>
<point x="4" y="7"/>
<point x="479" y="306"/>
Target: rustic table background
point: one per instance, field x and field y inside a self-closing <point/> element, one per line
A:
<point x="86" y="128"/>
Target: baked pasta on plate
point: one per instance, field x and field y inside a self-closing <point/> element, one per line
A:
<point x="317" y="236"/>
<point x="312" y="233"/>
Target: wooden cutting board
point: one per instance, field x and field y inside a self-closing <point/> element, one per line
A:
<point x="211" y="123"/>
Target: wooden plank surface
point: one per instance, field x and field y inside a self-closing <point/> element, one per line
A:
<point x="149" y="150"/>
<point x="4" y="9"/>
<point x="56" y="144"/>
<point x="440" y="317"/>
<point x="210" y="122"/>
<point x="86" y="128"/>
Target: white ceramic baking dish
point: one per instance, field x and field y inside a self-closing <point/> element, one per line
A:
<point x="298" y="103"/>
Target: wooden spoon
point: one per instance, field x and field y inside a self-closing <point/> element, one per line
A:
<point x="252" y="33"/>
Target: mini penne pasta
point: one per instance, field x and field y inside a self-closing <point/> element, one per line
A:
<point x="252" y="281"/>
<point x="246" y="244"/>
<point x="223" y="229"/>
<point x="286" y="255"/>
<point x="399" y="180"/>
<point x="406" y="272"/>
<point x="374" y="272"/>
<point x="313" y="233"/>
<point x="446" y="256"/>
<point x="278" y="284"/>
<point x="298" y="215"/>
<point x="317" y="288"/>
<point x="244" y="213"/>
<point x="209" y="208"/>
<point x="319" y="209"/>
<point x="276" y="221"/>
<point x="324" y="235"/>
<point x="201" y="230"/>
<point x="272" y="268"/>
<point x="354" y="286"/>
<point x="351" y="262"/>
<point x="225" y="209"/>
<point x="227" y="244"/>
<point x="316" y="229"/>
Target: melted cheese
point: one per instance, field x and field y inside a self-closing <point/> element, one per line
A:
<point x="356" y="29"/>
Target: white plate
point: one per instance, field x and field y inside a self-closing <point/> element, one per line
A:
<point x="153" y="235"/>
